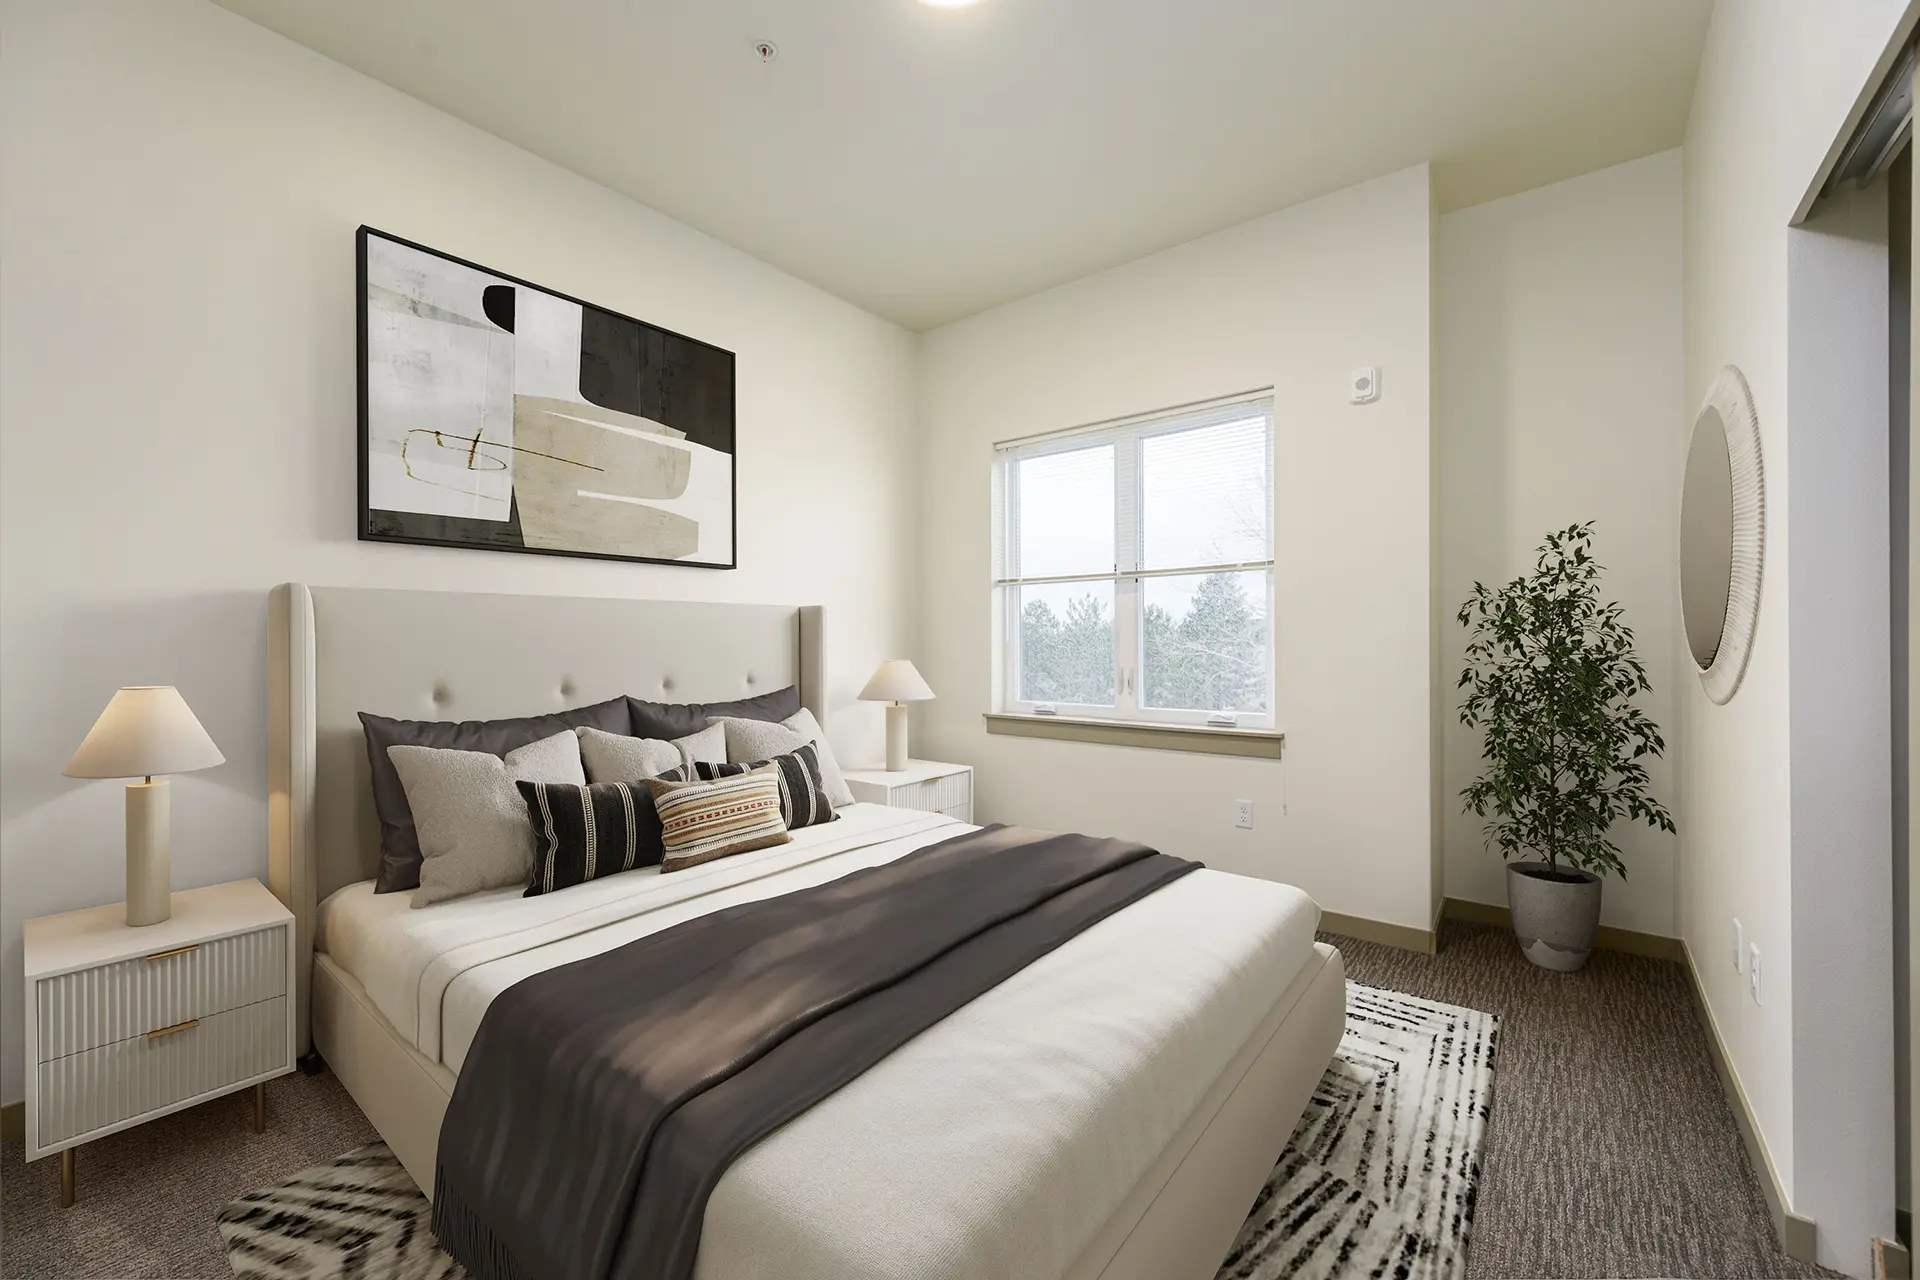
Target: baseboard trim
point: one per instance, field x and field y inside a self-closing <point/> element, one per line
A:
<point x="1797" y="1234"/>
<point x="13" y="1122"/>
<point x="1607" y="938"/>
<point x="1409" y="938"/>
<point x="1404" y="936"/>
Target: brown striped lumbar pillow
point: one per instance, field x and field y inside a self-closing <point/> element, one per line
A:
<point x="701" y="821"/>
<point x="583" y="833"/>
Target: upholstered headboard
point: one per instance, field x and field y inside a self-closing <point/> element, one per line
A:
<point x="438" y="655"/>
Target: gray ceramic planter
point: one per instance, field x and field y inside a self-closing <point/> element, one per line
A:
<point x="1554" y="913"/>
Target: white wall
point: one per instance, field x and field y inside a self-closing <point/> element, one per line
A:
<point x="1776" y="83"/>
<point x="1561" y="392"/>
<point x="1293" y="300"/>
<point x="179" y="198"/>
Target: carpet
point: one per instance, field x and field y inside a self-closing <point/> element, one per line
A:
<point x="1378" y="1178"/>
<point x="1612" y="1152"/>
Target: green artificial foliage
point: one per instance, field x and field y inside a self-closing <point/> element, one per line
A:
<point x="1550" y="679"/>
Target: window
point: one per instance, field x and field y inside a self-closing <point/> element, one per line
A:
<point x="1134" y="569"/>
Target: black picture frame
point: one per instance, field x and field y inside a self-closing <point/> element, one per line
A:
<point x="471" y="533"/>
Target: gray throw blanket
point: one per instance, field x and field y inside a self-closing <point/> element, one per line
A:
<point x="602" y="1101"/>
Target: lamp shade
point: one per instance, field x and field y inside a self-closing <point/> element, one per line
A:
<point x="896" y="681"/>
<point x="146" y="729"/>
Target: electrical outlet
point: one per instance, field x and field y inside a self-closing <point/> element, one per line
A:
<point x="1753" y="971"/>
<point x="1739" y="947"/>
<point x="1243" y="814"/>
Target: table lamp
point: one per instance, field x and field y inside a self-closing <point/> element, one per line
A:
<point x="146" y="729"/>
<point x="896" y="683"/>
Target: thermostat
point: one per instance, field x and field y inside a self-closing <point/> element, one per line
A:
<point x="1363" y="386"/>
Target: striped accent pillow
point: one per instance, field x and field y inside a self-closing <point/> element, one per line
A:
<point x="701" y="821"/>
<point x="585" y="833"/>
<point x="803" y="791"/>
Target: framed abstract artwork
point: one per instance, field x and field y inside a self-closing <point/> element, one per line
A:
<point x="499" y="415"/>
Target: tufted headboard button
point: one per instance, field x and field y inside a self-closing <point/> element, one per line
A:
<point x="750" y="680"/>
<point x="567" y="689"/>
<point x="441" y="694"/>
<point x="666" y="684"/>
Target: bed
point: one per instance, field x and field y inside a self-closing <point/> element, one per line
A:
<point x="1109" y="1111"/>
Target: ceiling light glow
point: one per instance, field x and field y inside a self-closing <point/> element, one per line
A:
<point x="949" y="4"/>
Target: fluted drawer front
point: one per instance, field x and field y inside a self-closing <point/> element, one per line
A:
<point x="94" y="1007"/>
<point x="86" y="1091"/>
<point x="935" y="794"/>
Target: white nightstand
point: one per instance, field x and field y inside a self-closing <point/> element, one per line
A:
<point x="924" y="784"/>
<point x="125" y="1024"/>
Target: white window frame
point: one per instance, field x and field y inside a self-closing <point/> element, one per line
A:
<point x="1127" y="435"/>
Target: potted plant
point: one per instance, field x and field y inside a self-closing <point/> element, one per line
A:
<point x="1550" y="679"/>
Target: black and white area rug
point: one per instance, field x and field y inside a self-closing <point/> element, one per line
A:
<point x="359" y="1217"/>
<point x="1378" y="1179"/>
<point x="1380" y="1175"/>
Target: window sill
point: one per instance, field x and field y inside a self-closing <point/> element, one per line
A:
<point x="1262" y="744"/>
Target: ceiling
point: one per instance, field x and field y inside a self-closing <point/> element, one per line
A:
<point x="927" y="163"/>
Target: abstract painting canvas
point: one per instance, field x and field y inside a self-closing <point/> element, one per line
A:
<point x="501" y="415"/>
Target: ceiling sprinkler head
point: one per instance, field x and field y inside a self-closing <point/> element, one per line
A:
<point x="766" y="50"/>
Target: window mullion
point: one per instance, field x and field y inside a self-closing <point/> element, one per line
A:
<point x="1126" y="587"/>
<point x="1009" y="531"/>
<point x="1010" y="519"/>
<point x="1271" y="576"/>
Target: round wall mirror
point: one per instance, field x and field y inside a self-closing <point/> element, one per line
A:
<point x="1722" y="535"/>
<point x="1706" y="537"/>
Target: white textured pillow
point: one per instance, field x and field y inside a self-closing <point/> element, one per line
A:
<point x="618" y="757"/>
<point x="710" y="745"/>
<point x="752" y="740"/>
<point x="473" y="825"/>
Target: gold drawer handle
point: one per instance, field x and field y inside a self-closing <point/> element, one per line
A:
<point x="189" y="1024"/>
<point x="177" y="951"/>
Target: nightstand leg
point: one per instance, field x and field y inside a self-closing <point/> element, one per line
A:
<point x="66" y="1178"/>
<point x="260" y="1108"/>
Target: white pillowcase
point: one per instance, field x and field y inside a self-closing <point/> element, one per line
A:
<point x="752" y="740"/>
<point x="618" y="757"/>
<point x="473" y="825"/>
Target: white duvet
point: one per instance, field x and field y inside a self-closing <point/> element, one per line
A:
<point x="994" y="1144"/>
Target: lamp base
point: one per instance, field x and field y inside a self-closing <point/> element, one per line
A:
<point x="896" y="737"/>
<point x="149" y="852"/>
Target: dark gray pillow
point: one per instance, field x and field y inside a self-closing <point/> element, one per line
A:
<point x="399" y="842"/>
<point x="672" y="720"/>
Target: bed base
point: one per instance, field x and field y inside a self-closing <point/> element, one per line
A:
<point x="1176" y="1224"/>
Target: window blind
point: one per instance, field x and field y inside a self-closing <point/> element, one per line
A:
<point x="1154" y="465"/>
